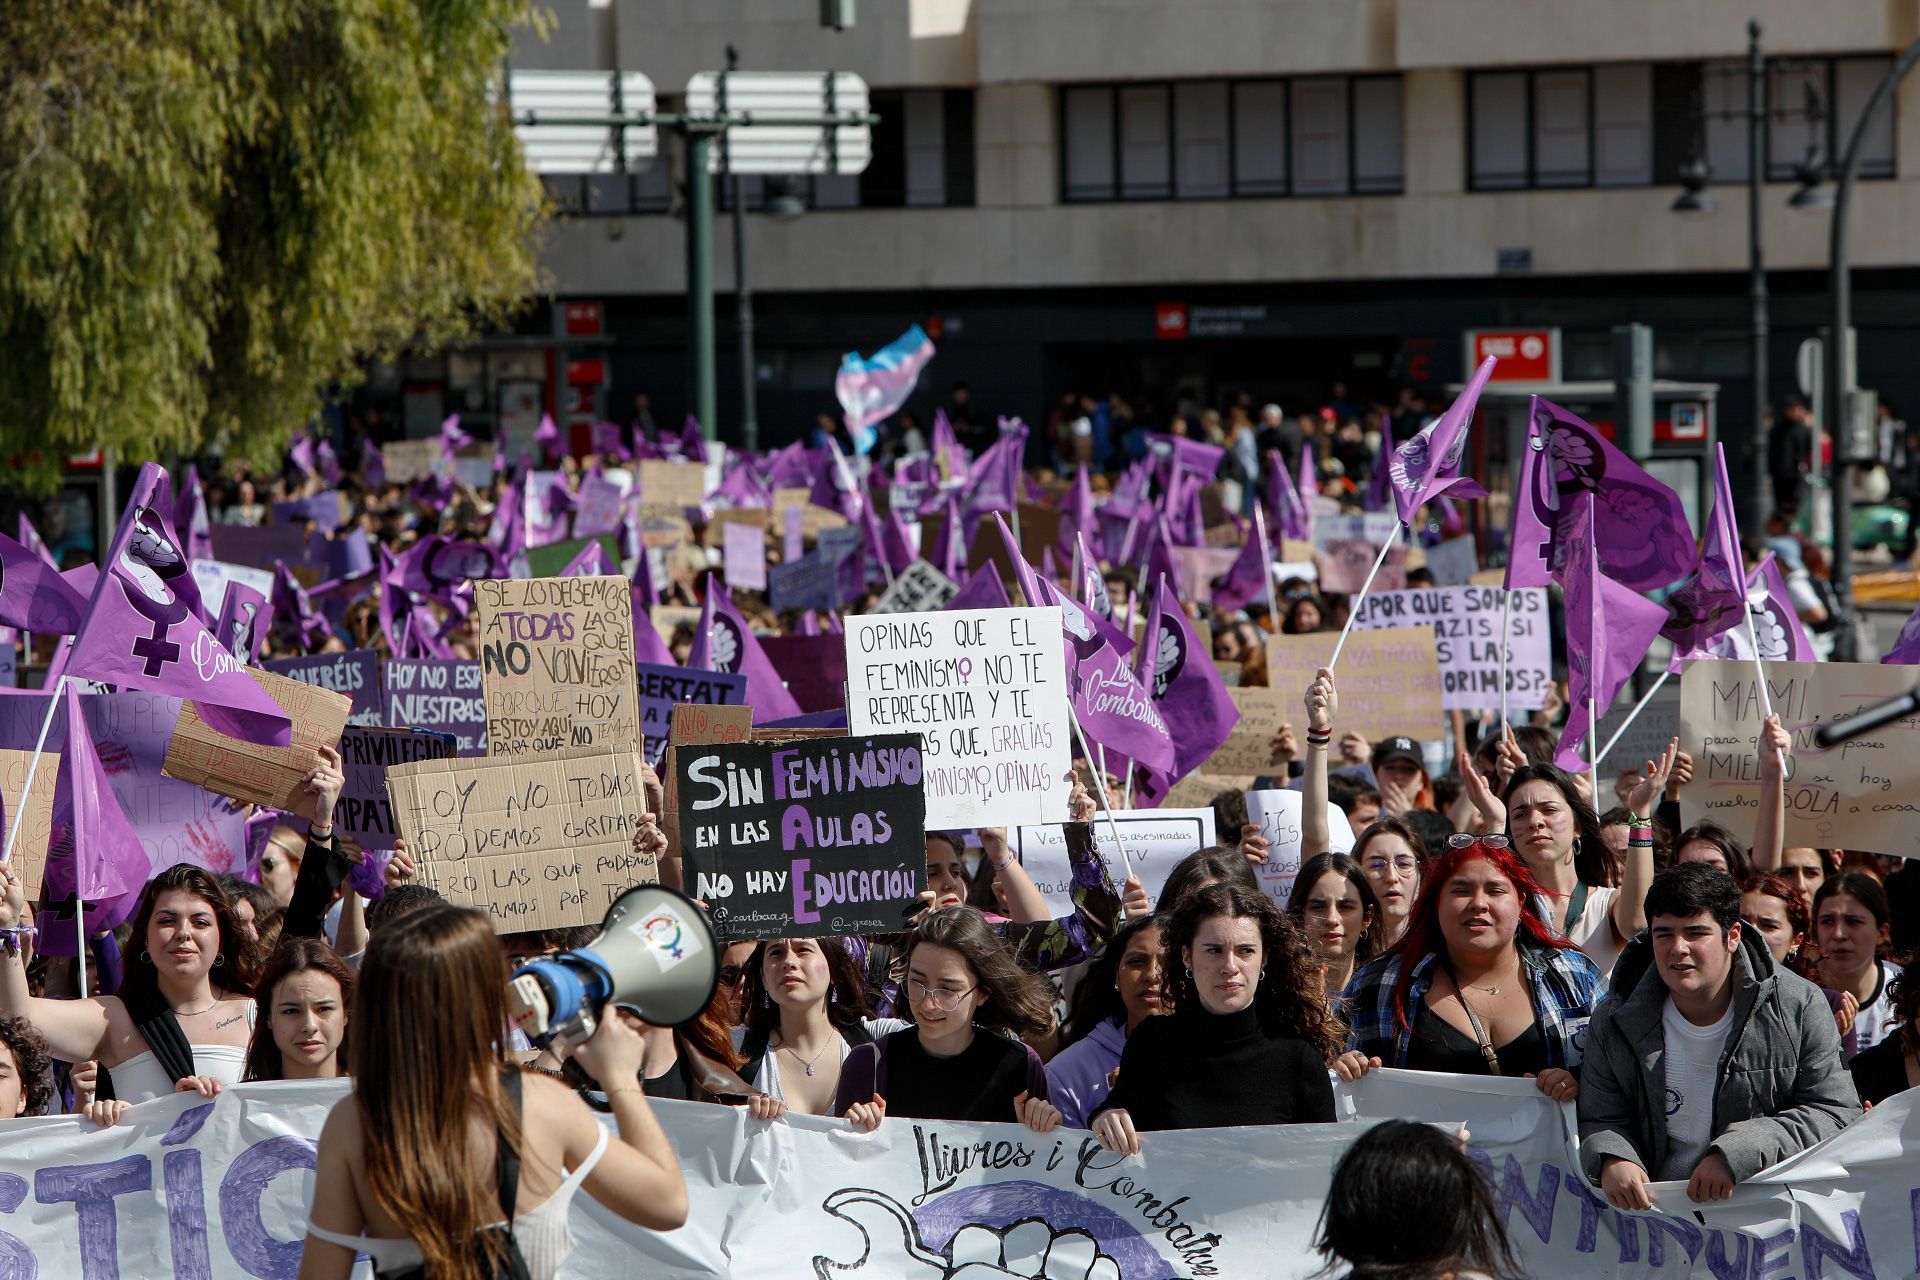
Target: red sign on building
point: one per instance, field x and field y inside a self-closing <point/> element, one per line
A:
<point x="583" y="320"/>
<point x="1525" y="355"/>
<point x="1170" y="320"/>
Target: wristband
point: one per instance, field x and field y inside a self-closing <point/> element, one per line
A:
<point x="1635" y="822"/>
<point x="10" y="938"/>
<point x="631" y="1088"/>
<point x="318" y="834"/>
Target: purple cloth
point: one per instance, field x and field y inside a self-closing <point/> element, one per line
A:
<point x="1641" y="529"/>
<point x="590" y="563"/>
<point x="946" y="444"/>
<point x="1114" y="709"/>
<point x="293" y="611"/>
<point x="1715" y="597"/>
<point x="1609" y="630"/>
<point x="329" y="463"/>
<point x="983" y="590"/>
<point x="1077" y="512"/>
<point x="435" y="567"/>
<point x="547" y="435"/>
<point x="31" y="540"/>
<point x="724" y="642"/>
<point x="1906" y="648"/>
<point x="1175" y="454"/>
<point x="1427" y="467"/>
<point x="452" y="437"/>
<point x="1247" y="580"/>
<point x="93" y="854"/>
<point x="1286" y="510"/>
<point x="1776" y="624"/>
<point x="693" y="445"/>
<point x="951" y="555"/>
<point x="1184" y="683"/>
<point x="199" y="525"/>
<point x="301" y="453"/>
<point x="373" y="465"/>
<point x="33" y="594"/>
<point x="994" y="478"/>
<point x="140" y="631"/>
<point x="244" y="618"/>
<point x="1077" y="1076"/>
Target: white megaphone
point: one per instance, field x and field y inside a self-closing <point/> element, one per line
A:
<point x="656" y="955"/>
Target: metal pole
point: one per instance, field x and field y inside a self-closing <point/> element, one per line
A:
<point x="700" y="279"/>
<point x="1756" y="269"/>
<point x="1839" y="366"/>
<point x="742" y="292"/>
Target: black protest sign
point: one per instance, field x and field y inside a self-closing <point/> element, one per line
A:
<point x="363" y="813"/>
<point x="804" y="839"/>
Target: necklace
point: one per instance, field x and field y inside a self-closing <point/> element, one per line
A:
<point x="806" y="1062"/>
<point x="182" y="1013"/>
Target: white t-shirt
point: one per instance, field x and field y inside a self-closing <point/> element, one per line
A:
<point x="1692" y="1068"/>
<point x="1592" y="929"/>
<point x="1877" y="1018"/>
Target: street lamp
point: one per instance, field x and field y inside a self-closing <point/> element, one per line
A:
<point x="1695" y="198"/>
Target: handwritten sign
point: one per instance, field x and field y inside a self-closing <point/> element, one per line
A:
<point x="602" y="498"/>
<point x="1249" y="749"/>
<point x="1279" y="814"/>
<point x="701" y="725"/>
<point x="918" y="588"/>
<point x="1466" y="625"/>
<point x="1389" y="679"/>
<point x="556" y="663"/>
<point x="1154" y="840"/>
<point x="672" y="484"/>
<point x="1863" y="794"/>
<point x="355" y="673"/>
<point x="410" y="460"/>
<point x="538" y="841"/>
<point x="30" y="811"/>
<point x="988" y="689"/>
<point x="364" y="813"/>
<point x="246" y="771"/>
<point x="214" y="576"/>
<point x="662" y="688"/>
<point x="745" y="556"/>
<point x="441" y="695"/>
<point x="1348" y="546"/>
<point x="805" y="839"/>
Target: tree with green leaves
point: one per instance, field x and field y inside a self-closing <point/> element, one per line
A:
<point x="214" y="211"/>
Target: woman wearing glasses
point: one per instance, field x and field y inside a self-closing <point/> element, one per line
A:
<point x="968" y="998"/>
<point x="1584" y="896"/>
<point x="1479" y="984"/>
<point x="1250" y="1033"/>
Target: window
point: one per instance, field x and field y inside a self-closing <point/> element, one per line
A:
<point x="1623" y="125"/>
<point x="1497" y="134"/>
<point x="1202" y="140"/>
<point x="922" y="158"/>
<point x="1562" y="133"/>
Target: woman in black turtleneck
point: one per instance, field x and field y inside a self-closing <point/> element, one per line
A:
<point x="1250" y="1035"/>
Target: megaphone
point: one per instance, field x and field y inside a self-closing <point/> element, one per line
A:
<point x="655" y="954"/>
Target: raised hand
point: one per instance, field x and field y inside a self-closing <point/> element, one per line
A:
<point x="1653" y="777"/>
<point x="1323" y="702"/>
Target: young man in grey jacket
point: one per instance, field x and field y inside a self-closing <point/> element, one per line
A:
<point x="1705" y="1062"/>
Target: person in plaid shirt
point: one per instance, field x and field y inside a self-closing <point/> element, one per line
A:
<point x="1478" y="984"/>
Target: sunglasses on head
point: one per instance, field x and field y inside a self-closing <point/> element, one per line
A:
<point x="1461" y="840"/>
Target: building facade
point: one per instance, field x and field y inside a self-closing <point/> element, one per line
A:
<point x="1191" y="198"/>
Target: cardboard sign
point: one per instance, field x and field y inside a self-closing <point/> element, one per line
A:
<point x="364" y="813"/>
<point x="804" y="839"/>
<point x="1859" y="794"/>
<point x="1389" y="680"/>
<point x="355" y="673"/>
<point x="410" y="460"/>
<point x="440" y="695"/>
<point x="673" y="484"/>
<point x="1656" y="725"/>
<point x="1454" y="561"/>
<point x="246" y="771"/>
<point x="1279" y="815"/>
<point x="556" y="662"/>
<point x="663" y="688"/>
<point x="1197" y="790"/>
<point x="988" y="689"/>
<point x="1347" y="546"/>
<point x="745" y="557"/>
<point x="31" y="811"/>
<point x="1466" y="625"/>
<point x="669" y="618"/>
<point x="698" y="724"/>
<point x="539" y="841"/>
<point x="547" y="561"/>
<point x="1154" y="840"/>
<point x="918" y="588"/>
<point x="716" y="528"/>
<point x="812" y="518"/>
<point x="1249" y="748"/>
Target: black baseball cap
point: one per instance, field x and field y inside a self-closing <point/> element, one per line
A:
<point x="1399" y="747"/>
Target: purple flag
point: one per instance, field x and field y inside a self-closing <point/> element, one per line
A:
<point x="994" y="478"/>
<point x="983" y="590"/>
<point x="948" y="449"/>
<point x="1428" y="466"/>
<point x="1156" y="556"/>
<point x="1642" y="535"/>
<point x="547" y="436"/>
<point x="1609" y="630"/>
<point x="1024" y="576"/>
<point x="590" y="563"/>
<point x="33" y="594"/>
<point x="740" y="487"/>
<point x="1714" y="598"/>
<point x="199" y="526"/>
<point x="31" y="540"/>
<point x="507" y="531"/>
<point x="140" y="631"/>
<point x="1184" y="683"/>
<point x="1247" y="580"/>
<point x="1077" y="516"/>
<point x="724" y="642"/>
<point x="1042" y="590"/>
<point x="242" y="625"/>
<point x="833" y="487"/>
<point x="1088" y="582"/>
<point x="1286" y="510"/>
<point x="293" y="613"/>
<point x="1380" y="483"/>
<point x="951" y="555"/>
<point x="645" y="593"/>
<point x="893" y="535"/>
<point x="693" y="445"/>
<point x="1776" y="624"/>
<point x="329" y="463"/>
<point x="452" y="437"/>
<point x="1173" y="454"/>
<point x="1048" y="568"/>
<point x="1114" y="709"/>
<point x="373" y="465"/>
<point x="809" y="625"/>
<point x="608" y="440"/>
<point x="93" y="857"/>
<point x="1906" y="646"/>
<point x="872" y="389"/>
<point x="434" y="567"/>
<point x="300" y="453"/>
<point x="648" y="645"/>
<point x="791" y="467"/>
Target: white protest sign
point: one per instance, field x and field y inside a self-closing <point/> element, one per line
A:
<point x="1466" y="636"/>
<point x="744" y="550"/>
<point x="918" y="588"/>
<point x="212" y="577"/>
<point x="1454" y="561"/>
<point x="988" y="691"/>
<point x="1154" y="839"/>
<point x="1279" y="815"/>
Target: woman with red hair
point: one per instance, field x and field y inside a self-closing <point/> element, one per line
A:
<point x="1479" y="984"/>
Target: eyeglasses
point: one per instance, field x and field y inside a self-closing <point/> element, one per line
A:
<point x="1462" y="840"/>
<point x="938" y="998"/>
<point x="1380" y="866"/>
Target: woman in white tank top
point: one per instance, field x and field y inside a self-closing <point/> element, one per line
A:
<point x="189" y="983"/>
<point x="415" y="1185"/>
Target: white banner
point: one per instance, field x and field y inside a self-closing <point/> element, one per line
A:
<point x="1466" y="634"/>
<point x="213" y="1191"/>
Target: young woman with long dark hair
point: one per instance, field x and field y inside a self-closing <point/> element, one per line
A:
<point x="1391" y="854"/>
<point x="183" y="1015"/>
<point x="1250" y="1034"/>
<point x="1119" y="991"/>
<point x="1480" y="983"/>
<point x="1333" y="905"/>
<point x="958" y="1061"/>
<point x="300" y="1032"/>
<point x="805" y="1010"/>
<point x="1851" y="924"/>
<point x="447" y="1156"/>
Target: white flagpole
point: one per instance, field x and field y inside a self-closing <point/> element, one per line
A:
<point x="1266" y="570"/>
<point x="1760" y="668"/>
<point x="1100" y="789"/>
<point x="1506" y="623"/>
<point x="1632" y="715"/>
<point x="33" y="766"/>
<point x="1354" y="610"/>
<point x="1593" y="713"/>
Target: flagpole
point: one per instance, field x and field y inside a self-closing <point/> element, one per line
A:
<point x="1354" y="611"/>
<point x="1266" y="570"/>
<point x="1760" y="668"/>
<point x="1506" y="622"/>
<point x="1593" y="714"/>
<point x="1100" y="789"/>
<point x="33" y="766"/>
<point x="866" y="502"/>
<point x="1632" y="715"/>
